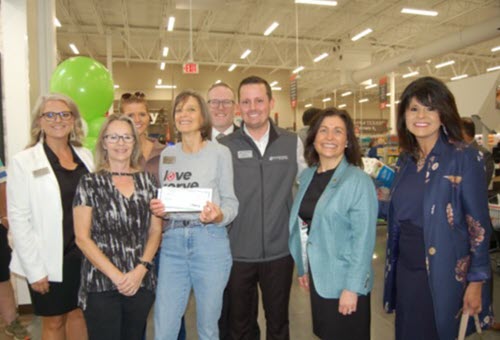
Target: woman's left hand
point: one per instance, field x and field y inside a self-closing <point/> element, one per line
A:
<point x="472" y="298"/>
<point x="211" y="213"/>
<point x="348" y="302"/>
<point x="132" y="281"/>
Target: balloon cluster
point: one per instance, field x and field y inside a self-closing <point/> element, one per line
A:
<point x="89" y="84"/>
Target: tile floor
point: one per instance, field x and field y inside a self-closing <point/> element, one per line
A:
<point x="300" y="319"/>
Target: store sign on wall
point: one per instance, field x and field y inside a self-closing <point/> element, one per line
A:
<point x="190" y="68"/>
<point x="382" y="93"/>
<point x="293" y="91"/>
<point x="371" y="126"/>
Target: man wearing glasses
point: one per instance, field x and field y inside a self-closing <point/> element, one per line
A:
<point x="222" y="106"/>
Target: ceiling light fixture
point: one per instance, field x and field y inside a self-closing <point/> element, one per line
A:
<point x="116" y="86"/>
<point x="362" y="34"/>
<point x="345" y="94"/>
<point x="165" y="86"/>
<point x="274" y="83"/>
<point x="446" y="63"/>
<point x="271" y="28"/>
<point x="276" y="88"/>
<point x="341" y="106"/>
<point x="317" y="2"/>
<point x="370" y="86"/>
<point x="495" y="49"/>
<point x="245" y="54"/>
<point x="218" y="81"/>
<point x="162" y="65"/>
<point x="232" y="67"/>
<point x="419" y="12"/>
<point x="411" y="74"/>
<point x="327" y="99"/>
<point x="74" y="49"/>
<point x="320" y="57"/>
<point x="57" y="23"/>
<point x="364" y="100"/>
<point x="308" y="105"/>
<point x="165" y="51"/>
<point x="171" y="23"/>
<point x="494" y="68"/>
<point x="462" y="76"/>
<point x="159" y="81"/>
<point x="298" y="69"/>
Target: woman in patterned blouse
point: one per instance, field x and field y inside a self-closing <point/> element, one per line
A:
<point x="118" y="236"/>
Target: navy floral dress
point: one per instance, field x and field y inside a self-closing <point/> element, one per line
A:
<point x="455" y="230"/>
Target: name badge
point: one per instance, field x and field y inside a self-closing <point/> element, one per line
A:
<point x="41" y="172"/>
<point x="243" y="154"/>
<point x="168" y="160"/>
<point x="278" y="158"/>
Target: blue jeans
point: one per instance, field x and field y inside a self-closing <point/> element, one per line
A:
<point x="192" y="257"/>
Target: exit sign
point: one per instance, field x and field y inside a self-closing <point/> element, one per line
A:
<point x="190" y="68"/>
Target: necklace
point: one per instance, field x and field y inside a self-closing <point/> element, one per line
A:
<point x="122" y="174"/>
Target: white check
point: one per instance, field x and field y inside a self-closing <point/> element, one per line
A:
<point x="184" y="200"/>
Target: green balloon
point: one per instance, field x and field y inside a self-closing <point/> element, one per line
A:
<point x="87" y="82"/>
<point x="94" y="126"/>
<point x="90" y="142"/>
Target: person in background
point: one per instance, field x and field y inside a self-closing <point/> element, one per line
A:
<point x="13" y="327"/>
<point x="118" y="235"/>
<point x="437" y="264"/>
<point x="221" y="103"/>
<point x="337" y="204"/>
<point x="195" y="251"/>
<point x="469" y="133"/>
<point x="307" y="117"/>
<point x="266" y="161"/>
<point x="374" y="145"/>
<point x="42" y="183"/>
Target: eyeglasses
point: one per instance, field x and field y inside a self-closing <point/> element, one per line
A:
<point x="216" y="102"/>
<point x="114" y="138"/>
<point x="137" y="94"/>
<point x="51" y="116"/>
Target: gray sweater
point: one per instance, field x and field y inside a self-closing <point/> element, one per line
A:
<point x="211" y="167"/>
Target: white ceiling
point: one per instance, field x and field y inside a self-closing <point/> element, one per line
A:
<point x="223" y="29"/>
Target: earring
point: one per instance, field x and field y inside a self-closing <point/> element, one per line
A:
<point x="72" y="135"/>
<point x="346" y="145"/>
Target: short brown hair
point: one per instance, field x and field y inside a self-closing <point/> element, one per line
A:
<point x="256" y="80"/>
<point x="206" y="126"/>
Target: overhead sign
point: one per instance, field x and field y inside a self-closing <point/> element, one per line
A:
<point x="190" y="68"/>
<point x="371" y="126"/>
<point x="382" y="93"/>
<point x="293" y="91"/>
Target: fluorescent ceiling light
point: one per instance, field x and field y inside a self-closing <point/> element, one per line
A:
<point x="232" y="67"/>
<point x="162" y="65"/>
<point x="411" y="74"/>
<point x="366" y="82"/>
<point x="276" y="88"/>
<point x="171" y="23"/>
<point x="116" y="86"/>
<point x="364" y="100"/>
<point x="446" y="63"/>
<point x="218" y="81"/>
<point x="159" y="81"/>
<point x="494" y="68"/>
<point x="345" y="94"/>
<point x="57" y="22"/>
<point x="362" y="34"/>
<point x="397" y="102"/>
<point x="494" y="49"/>
<point x="317" y="2"/>
<point x="165" y="51"/>
<point x="298" y="69"/>
<point x="370" y="86"/>
<point x="462" y="76"/>
<point x="74" y="49"/>
<point x="320" y="57"/>
<point x="274" y="83"/>
<point x="327" y="99"/>
<point x="308" y="105"/>
<point x="419" y="12"/>
<point x="165" y="86"/>
<point x="341" y="106"/>
<point x="271" y="28"/>
<point x="388" y="94"/>
<point x="245" y="54"/>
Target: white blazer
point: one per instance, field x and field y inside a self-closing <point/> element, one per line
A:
<point x="35" y="214"/>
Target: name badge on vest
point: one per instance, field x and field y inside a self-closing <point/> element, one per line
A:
<point x="168" y="160"/>
<point x="41" y="172"/>
<point x="278" y="158"/>
<point x="243" y="154"/>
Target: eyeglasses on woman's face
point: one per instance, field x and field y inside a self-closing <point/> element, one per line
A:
<point x="115" y="138"/>
<point x="51" y="116"/>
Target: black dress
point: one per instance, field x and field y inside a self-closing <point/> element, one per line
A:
<point x="414" y="308"/>
<point x="328" y="323"/>
<point x="63" y="296"/>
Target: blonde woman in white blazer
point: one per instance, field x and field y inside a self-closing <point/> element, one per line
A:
<point x="42" y="182"/>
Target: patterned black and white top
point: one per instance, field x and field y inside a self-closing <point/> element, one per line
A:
<point x="120" y="227"/>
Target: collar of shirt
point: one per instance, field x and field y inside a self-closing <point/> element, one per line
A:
<point x="216" y="132"/>
<point x="263" y="141"/>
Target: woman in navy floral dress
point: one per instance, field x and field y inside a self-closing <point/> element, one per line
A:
<point x="438" y="223"/>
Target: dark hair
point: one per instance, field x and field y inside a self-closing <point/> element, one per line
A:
<point x="256" y="80"/>
<point x="309" y="114"/>
<point x="206" y="126"/>
<point x="469" y="127"/>
<point x="433" y="93"/>
<point x="132" y="98"/>
<point x="352" y="152"/>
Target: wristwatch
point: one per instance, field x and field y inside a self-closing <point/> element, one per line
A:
<point x="146" y="264"/>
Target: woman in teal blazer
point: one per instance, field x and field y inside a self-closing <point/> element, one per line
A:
<point x="332" y="229"/>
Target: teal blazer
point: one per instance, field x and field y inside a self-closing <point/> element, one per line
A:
<point x="342" y="234"/>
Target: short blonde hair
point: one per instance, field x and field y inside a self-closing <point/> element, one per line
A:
<point x="75" y="138"/>
<point x="101" y="154"/>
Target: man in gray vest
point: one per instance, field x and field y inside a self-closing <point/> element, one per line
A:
<point x="266" y="160"/>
